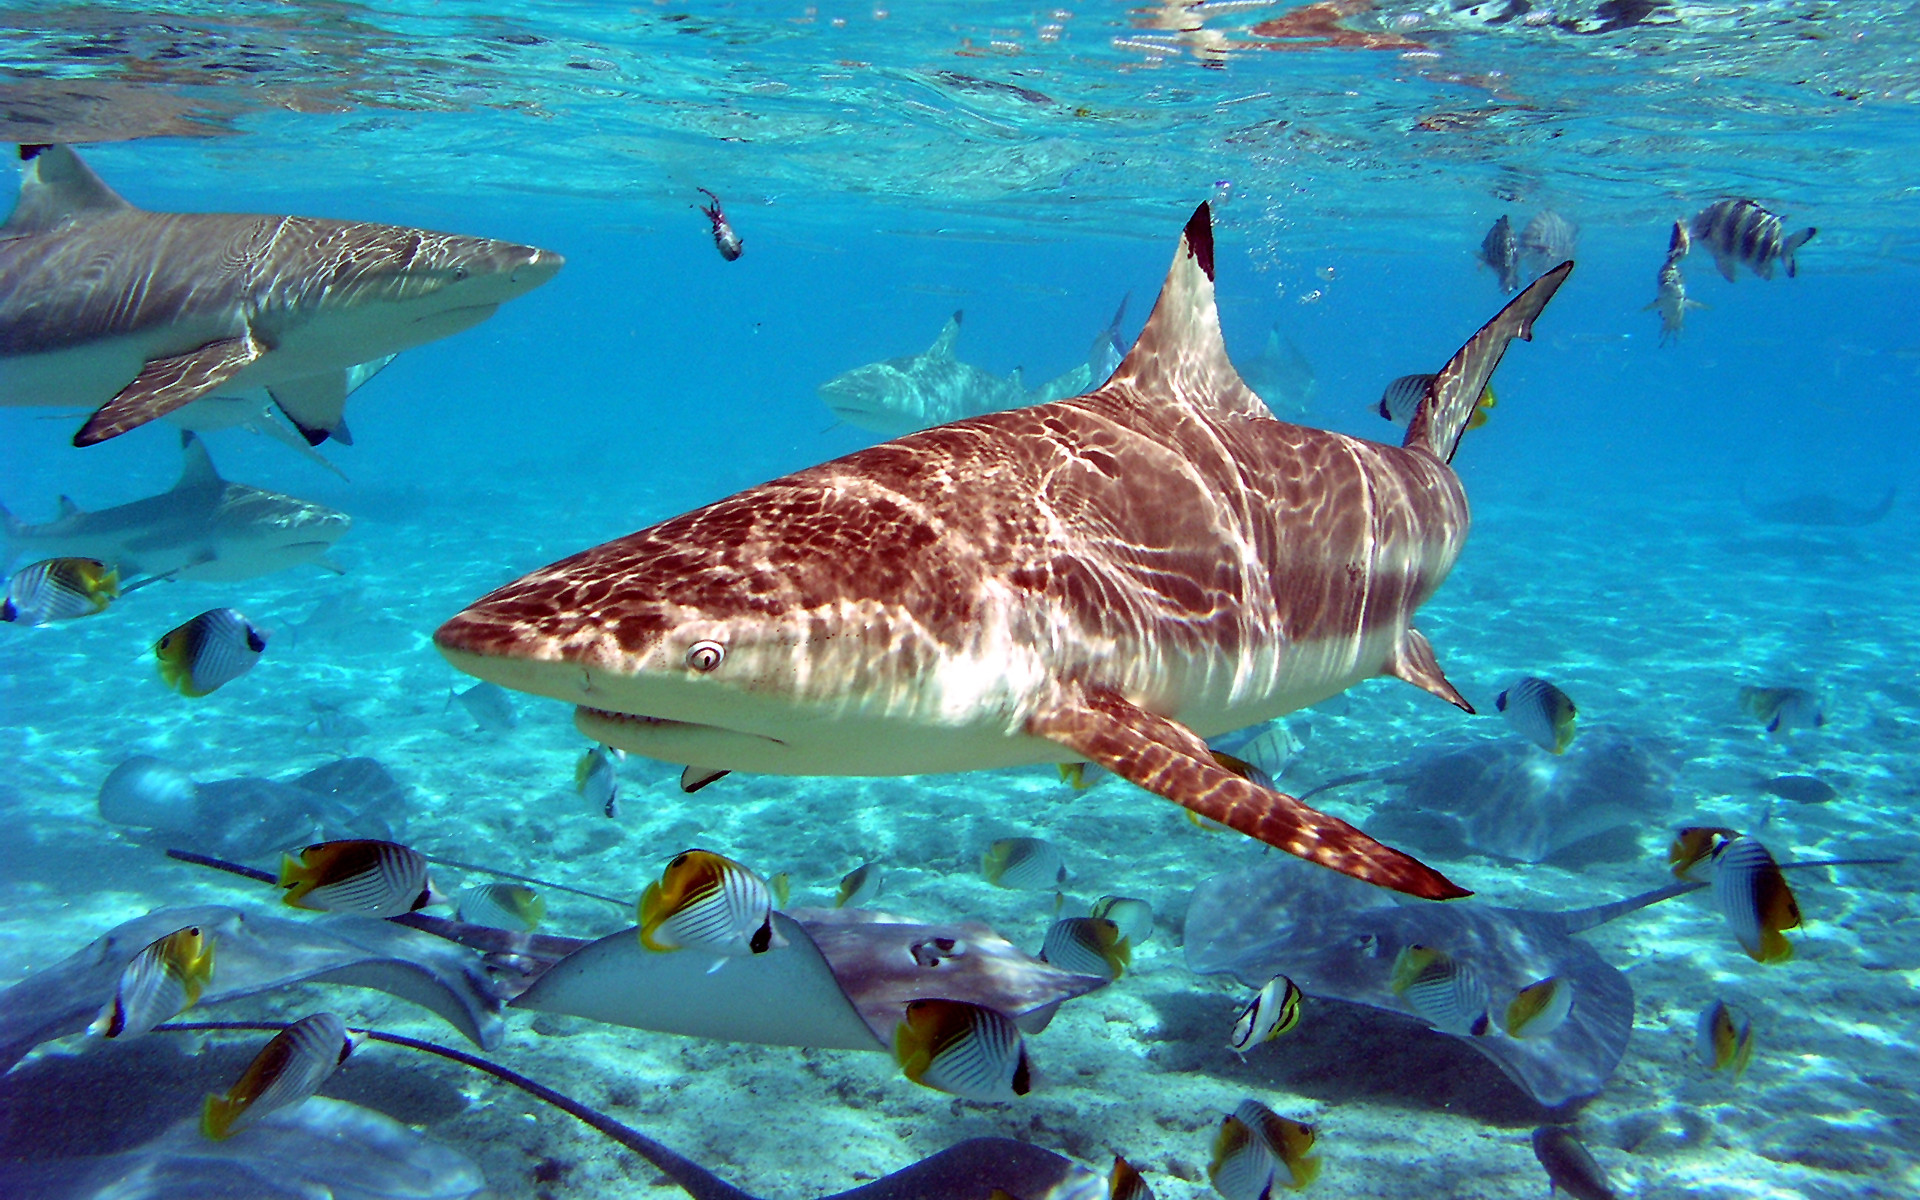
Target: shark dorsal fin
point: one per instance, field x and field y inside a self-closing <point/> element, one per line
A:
<point x="1455" y="392"/>
<point x="196" y="467"/>
<point x="1180" y="357"/>
<point x="67" y="508"/>
<point x="58" y="189"/>
<point x="949" y="334"/>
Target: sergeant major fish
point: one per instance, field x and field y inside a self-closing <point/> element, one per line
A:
<point x="1740" y="231"/>
<point x="1500" y="250"/>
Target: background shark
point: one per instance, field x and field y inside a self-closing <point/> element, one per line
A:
<point x="933" y="387"/>
<point x="136" y="314"/>
<point x="1110" y="578"/>
<point x="202" y="528"/>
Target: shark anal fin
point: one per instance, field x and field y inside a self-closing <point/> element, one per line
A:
<point x="165" y="384"/>
<point x="1169" y="760"/>
<point x="1413" y="660"/>
<point x="316" y="404"/>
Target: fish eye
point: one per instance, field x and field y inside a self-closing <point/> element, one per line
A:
<point x="705" y="657"/>
<point x="459" y="273"/>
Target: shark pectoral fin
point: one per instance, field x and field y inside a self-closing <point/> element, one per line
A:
<point x="316" y="404"/>
<point x="693" y="779"/>
<point x="1413" y="660"/>
<point x="165" y="384"/>
<point x="1168" y="759"/>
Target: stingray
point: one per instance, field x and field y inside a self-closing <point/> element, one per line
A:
<point x="1816" y="509"/>
<point x="842" y="981"/>
<point x="1511" y="799"/>
<point x="255" y="953"/>
<point x="248" y="817"/>
<point x="1336" y="937"/>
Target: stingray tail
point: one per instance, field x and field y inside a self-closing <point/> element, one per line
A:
<point x="1455" y="392"/>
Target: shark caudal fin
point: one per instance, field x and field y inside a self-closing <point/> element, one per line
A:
<point x="1180" y="355"/>
<point x="1168" y="759"/>
<point x="56" y="190"/>
<point x="1455" y="392"/>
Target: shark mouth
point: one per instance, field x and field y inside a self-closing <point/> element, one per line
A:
<point x="587" y="713"/>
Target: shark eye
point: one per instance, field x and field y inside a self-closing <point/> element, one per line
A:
<point x="459" y="273"/>
<point x="706" y="656"/>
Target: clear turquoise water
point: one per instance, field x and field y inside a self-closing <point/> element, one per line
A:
<point x="883" y="174"/>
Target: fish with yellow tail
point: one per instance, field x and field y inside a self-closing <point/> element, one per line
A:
<point x="1274" y="1010"/>
<point x="1087" y="946"/>
<point x="59" y="589"/>
<point x="1724" y="1041"/>
<point x="1539" y="712"/>
<point x="289" y="1069"/>
<point x="1405" y="393"/>
<point x="363" y="876"/>
<point x="595" y="778"/>
<point x="963" y="1049"/>
<point x="708" y="902"/>
<point x="858" y="886"/>
<point x="1134" y="917"/>
<point x="1257" y="1150"/>
<point x="1024" y="863"/>
<point x="1751" y="892"/>
<point x="162" y="981"/>
<point x="1539" y="1008"/>
<point x="208" y="652"/>
<point x="1445" y="991"/>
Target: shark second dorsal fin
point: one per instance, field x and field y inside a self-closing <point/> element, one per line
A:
<point x="57" y="189"/>
<point x="1180" y="356"/>
<point x="196" y="466"/>
<point x="949" y="334"/>
<point x="1455" y="392"/>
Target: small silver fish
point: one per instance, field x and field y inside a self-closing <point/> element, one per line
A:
<point x="858" y="886"/>
<point x="1539" y="712"/>
<point x="489" y="705"/>
<point x="59" y="589"/>
<point x="1500" y="249"/>
<point x="725" y="240"/>
<point x="208" y="652"/>
<point x="1025" y="863"/>
<point x="290" y="1068"/>
<point x="1568" y="1165"/>
<point x="1548" y="240"/>
<point x="1740" y="231"/>
<point x="1087" y="946"/>
<point x="1670" y="294"/>
<point x="1275" y="749"/>
<point x="511" y="906"/>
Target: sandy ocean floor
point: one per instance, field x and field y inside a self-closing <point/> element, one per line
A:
<point x="1690" y="599"/>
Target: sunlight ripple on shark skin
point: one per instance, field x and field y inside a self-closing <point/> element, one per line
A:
<point x="136" y="314"/>
<point x="1109" y="578"/>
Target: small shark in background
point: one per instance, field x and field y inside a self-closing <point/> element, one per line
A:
<point x="204" y="528"/>
<point x="136" y="314"/>
<point x="901" y="395"/>
<point x="255" y="413"/>
<point x="1282" y="377"/>
<point x="1110" y="578"/>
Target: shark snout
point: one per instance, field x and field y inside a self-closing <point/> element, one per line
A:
<point x="535" y="269"/>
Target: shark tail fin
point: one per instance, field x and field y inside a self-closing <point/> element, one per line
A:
<point x="1181" y="352"/>
<point x="57" y="189"/>
<point x="1455" y="392"/>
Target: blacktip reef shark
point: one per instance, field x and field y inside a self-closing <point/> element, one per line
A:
<point x="204" y="527"/>
<point x="1109" y="578"/>
<point x="933" y="387"/>
<point x="134" y="314"/>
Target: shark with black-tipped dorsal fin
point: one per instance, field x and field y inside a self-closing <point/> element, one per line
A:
<point x="1109" y="578"/>
<point x="135" y="314"/>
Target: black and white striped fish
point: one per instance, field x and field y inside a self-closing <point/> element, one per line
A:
<point x="1024" y="863"/>
<point x="1087" y="946"/>
<point x="1134" y="917"/>
<point x="1445" y="991"/>
<point x="1548" y="240"/>
<point x="1500" y="249"/>
<point x="365" y="876"/>
<point x="59" y="589"/>
<point x="1258" y="1151"/>
<point x="1751" y="892"/>
<point x="511" y="906"/>
<point x="707" y="901"/>
<point x="972" y="1052"/>
<point x="1740" y="231"/>
<point x="291" y="1067"/>
<point x="1404" y="394"/>
<point x="1274" y="1010"/>
<point x="1539" y="712"/>
<point x="160" y="983"/>
<point x="215" y="648"/>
